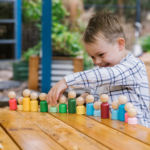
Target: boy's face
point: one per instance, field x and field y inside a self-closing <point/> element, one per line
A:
<point x="105" y="54"/>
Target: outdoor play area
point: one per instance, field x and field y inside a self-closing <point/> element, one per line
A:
<point x="42" y="45"/>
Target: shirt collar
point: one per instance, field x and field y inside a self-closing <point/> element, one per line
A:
<point x="125" y="58"/>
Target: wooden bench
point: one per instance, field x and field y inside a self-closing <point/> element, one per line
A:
<point x="54" y="131"/>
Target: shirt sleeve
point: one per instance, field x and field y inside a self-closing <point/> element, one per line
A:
<point x="124" y="74"/>
<point x="95" y="92"/>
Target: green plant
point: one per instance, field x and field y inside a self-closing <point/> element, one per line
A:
<point x="59" y="12"/>
<point x="64" y="41"/>
<point x="32" y="11"/>
<point x="32" y="51"/>
<point x="145" y="43"/>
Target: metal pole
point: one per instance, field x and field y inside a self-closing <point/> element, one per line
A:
<point x="46" y="44"/>
<point x="138" y="11"/>
<point x="18" y="28"/>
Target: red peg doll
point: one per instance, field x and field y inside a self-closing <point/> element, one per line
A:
<point x="104" y="106"/>
<point x="12" y="101"/>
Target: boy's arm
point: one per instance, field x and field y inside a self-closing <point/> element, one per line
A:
<point x="128" y="74"/>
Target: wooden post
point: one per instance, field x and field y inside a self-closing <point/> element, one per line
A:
<point x="34" y="63"/>
<point x="78" y="64"/>
<point x="33" y="73"/>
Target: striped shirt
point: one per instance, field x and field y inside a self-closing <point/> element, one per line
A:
<point x="127" y="78"/>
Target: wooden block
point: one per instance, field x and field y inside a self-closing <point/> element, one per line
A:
<point x="109" y="137"/>
<point x="6" y="142"/>
<point x="26" y="134"/>
<point x="65" y="135"/>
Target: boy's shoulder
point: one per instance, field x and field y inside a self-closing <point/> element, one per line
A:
<point x="130" y="59"/>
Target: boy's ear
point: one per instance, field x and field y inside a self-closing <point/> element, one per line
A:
<point x="121" y="43"/>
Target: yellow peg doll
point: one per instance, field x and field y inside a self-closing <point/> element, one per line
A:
<point x="34" y="102"/>
<point x="20" y="101"/>
<point x="26" y="100"/>
<point x="80" y="108"/>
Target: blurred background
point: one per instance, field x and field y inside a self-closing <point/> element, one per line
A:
<point x="21" y="38"/>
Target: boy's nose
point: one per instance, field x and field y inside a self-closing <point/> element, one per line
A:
<point x="97" y="61"/>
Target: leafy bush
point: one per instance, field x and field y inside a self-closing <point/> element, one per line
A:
<point x="32" y="11"/>
<point x="145" y="43"/>
<point x="32" y="51"/>
<point x="59" y="12"/>
<point x="64" y="41"/>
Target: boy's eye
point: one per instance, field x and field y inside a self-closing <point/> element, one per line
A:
<point x="101" y="54"/>
<point x="92" y="57"/>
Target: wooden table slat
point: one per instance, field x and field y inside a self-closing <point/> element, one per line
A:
<point x="101" y="133"/>
<point x="65" y="135"/>
<point x="138" y="132"/>
<point x="6" y="141"/>
<point x="26" y="134"/>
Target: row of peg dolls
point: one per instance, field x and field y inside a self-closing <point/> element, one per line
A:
<point x="123" y="112"/>
<point x="28" y="102"/>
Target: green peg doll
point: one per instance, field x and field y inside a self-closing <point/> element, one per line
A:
<point x="62" y="105"/>
<point x="43" y="103"/>
<point x="72" y="102"/>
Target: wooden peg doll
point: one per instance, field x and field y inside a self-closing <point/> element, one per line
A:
<point x="20" y="102"/>
<point x="97" y="111"/>
<point x="80" y="108"/>
<point x="12" y="101"/>
<point x="53" y="109"/>
<point x="62" y="105"/>
<point x="122" y="100"/>
<point x="43" y="102"/>
<point x="89" y="105"/>
<point x="72" y="102"/>
<point x="104" y="106"/>
<point x="26" y="100"/>
<point x="115" y="111"/>
<point x="127" y="106"/>
<point x="34" y="102"/>
<point x="132" y="113"/>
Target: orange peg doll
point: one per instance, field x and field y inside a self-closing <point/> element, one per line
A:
<point x="34" y="102"/>
<point x="80" y="108"/>
<point x="12" y="101"/>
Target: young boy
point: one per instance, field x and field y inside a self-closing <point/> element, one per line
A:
<point x="118" y="73"/>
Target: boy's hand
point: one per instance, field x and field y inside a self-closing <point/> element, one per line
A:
<point x="56" y="91"/>
<point x="84" y="95"/>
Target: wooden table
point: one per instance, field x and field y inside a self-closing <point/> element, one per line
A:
<point x="45" y="131"/>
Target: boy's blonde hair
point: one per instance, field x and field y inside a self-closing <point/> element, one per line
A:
<point x="104" y="25"/>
